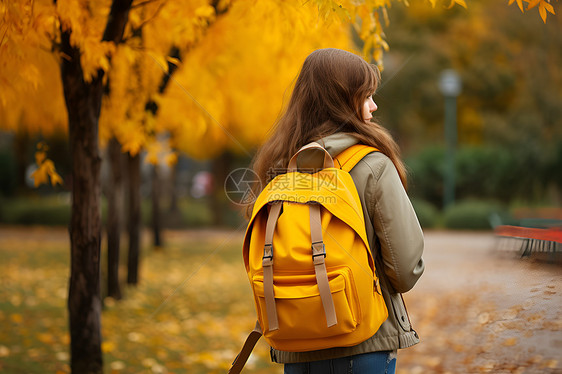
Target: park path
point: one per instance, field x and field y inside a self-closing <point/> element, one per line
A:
<point x="478" y="309"/>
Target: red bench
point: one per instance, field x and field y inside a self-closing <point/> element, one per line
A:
<point x="528" y="240"/>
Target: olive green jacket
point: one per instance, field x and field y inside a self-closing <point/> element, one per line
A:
<point x="396" y="239"/>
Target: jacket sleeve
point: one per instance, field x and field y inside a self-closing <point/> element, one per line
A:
<point x="396" y="225"/>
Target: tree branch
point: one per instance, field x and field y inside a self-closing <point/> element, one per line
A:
<point x="143" y="3"/>
<point x="117" y="19"/>
<point x="149" y="19"/>
<point x="4" y="36"/>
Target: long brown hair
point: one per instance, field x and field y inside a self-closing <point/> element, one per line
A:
<point x="327" y="98"/>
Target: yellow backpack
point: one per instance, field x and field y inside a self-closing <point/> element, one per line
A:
<point x="308" y="260"/>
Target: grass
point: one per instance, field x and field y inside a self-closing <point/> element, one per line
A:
<point x="193" y="309"/>
<point x="190" y="313"/>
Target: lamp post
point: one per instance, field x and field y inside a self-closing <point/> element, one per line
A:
<point x="450" y="86"/>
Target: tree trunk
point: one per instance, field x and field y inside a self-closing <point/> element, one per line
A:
<point x="156" y="221"/>
<point x="174" y="208"/>
<point x="220" y="168"/>
<point x="21" y="144"/>
<point x="114" y="218"/>
<point x="134" y="219"/>
<point x="83" y="104"/>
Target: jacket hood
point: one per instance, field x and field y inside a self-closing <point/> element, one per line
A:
<point x="337" y="143"/>
<point x="334" y="144"/>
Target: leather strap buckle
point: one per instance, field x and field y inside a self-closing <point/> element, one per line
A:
<point x="317" y="252"/>
<point x="267" y="259"/>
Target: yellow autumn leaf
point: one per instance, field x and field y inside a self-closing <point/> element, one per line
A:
<point x="95" y="56"/>
<point x="483" y="318"/>
<point x="45" y="338"/>
<point x="543" y="8"/>
<point x="117" y="366"/>
<point x="519" y="4"/>
<point x="171" y="159"/>
<point x="342" y="13"/>
<point x="50" y="169"/>
<point x="4" y="351"/>
<point x="55" y="178"/>
<point x="45" y="168"/>
<point x="39" y="176"/>
<point x="152" y="158"/>
<point x="148" y="362"/>
<point x="509" y="342"/>
<point x="104" y="63"/>
<point x="548" y="7"/>
<point x="532" y="3"/>
<point x="173" y="60"/>
<point x="132" y="140"/>
<point x="542" y="12"/>
<point x="205" y="11"/>
<point x="107" y="346"/>
<point x="551" y="364"/>
<point x="135" y="19"/>
<point x="455" y="2"/>
<point x="461" y="3"/>
<point x="40" y="157"/>
<point x="135" y="336"/>
<point x="155" y="150"/>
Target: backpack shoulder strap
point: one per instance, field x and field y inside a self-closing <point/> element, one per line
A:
<point x="347" y="159"/>
<point x="246" y="350"/>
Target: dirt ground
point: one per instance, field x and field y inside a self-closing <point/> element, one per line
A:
<point x="481" y="309"/>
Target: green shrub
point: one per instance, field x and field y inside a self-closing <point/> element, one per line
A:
<point x="191" y="213"/>
<point x="487" y="173"/>
<point x="50" y="211"/>
<point x="196" y="213"/>
<point x="54" y="210"/>
<point x="426" y="171"/>
<point x="426" y="212"/>
<point x="471" y="215"/>
<point x="484" y="173"/>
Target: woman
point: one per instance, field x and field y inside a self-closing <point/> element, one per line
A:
<point x="332" y="104"/>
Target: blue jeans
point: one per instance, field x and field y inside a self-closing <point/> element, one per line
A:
<point x="366" y="363"/>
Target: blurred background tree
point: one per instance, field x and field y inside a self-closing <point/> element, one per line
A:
<point x="499" y="66"/>
<point x="509" y="110"/>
